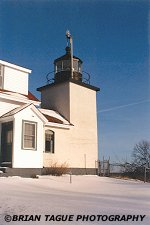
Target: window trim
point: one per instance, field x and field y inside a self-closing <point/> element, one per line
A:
<point x="23" y="129"/>
<point x="53" y="150"/>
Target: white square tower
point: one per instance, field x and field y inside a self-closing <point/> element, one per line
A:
<point x="76" y="101"/>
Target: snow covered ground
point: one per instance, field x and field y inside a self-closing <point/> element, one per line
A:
<point x="84" y="198"/>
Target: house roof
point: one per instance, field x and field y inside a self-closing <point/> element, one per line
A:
<point x="53" y="119"/>
<point x="11" y="113"/>
<point x="67" y="56"/>
<point x="49" y="117"/>
<point x="53" y="116"/>
<point x="30" y="96"/>
<point x="15" y="111"/>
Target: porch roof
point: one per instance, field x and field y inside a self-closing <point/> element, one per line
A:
<point x="14" y="111"/>
<point x="49" y="117"/>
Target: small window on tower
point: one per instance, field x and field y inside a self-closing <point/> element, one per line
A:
<point x="49" y="141"/>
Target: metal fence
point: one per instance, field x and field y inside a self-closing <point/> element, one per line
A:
<point x="105" y="168"/>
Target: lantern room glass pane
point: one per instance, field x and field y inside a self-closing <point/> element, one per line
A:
<point x="66" y="64"/>
<point x="79" y="67"/>
<point x="75" y="65"/>
<point x="58" y="66"/>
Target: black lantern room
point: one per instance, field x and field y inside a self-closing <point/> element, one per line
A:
<point x="68" y="67"/>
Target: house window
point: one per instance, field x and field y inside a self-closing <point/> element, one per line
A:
<point x="9" y="137"/>
<point x="1" y="76"/>
<point x="49" y="141"/>
<point x="29" y="135"/>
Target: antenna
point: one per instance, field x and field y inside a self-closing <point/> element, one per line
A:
<point x="68" y="35"/>
<point x="70" y="44"/>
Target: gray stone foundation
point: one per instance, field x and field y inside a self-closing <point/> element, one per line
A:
<point x="23" y="172"/>
<point x="83" y="171"/>
<point x="29" y="172"/>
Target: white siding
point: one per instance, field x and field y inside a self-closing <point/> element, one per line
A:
<point x="15" y="80"/>
<point x="27" y="158"/>
<point x="61" y="148"/>
<point x="83" y="136"/>
<point x="57" y="98"/>
<point x="78" y="146"/>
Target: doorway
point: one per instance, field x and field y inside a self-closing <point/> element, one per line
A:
<point x="6" y="143"/>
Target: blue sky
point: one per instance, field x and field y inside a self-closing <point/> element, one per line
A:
<point x="110" y="36"/>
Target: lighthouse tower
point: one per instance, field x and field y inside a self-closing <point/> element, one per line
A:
<point x="75" y="100"/>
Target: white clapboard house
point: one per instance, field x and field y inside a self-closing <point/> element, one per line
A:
<point x="61" y="128"/>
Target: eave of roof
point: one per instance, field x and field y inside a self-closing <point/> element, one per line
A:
<point x="72" y="81"/>
<point x="15" y="66"/>
<point x="53" y="119"/>
<point x="66" y="56"/>
<point x="30" y="96"/>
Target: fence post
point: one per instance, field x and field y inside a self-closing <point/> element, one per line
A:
<point x="144" y="174"/>
<point x="70" y="177"/>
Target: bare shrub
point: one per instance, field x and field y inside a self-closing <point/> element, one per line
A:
<point x="56" y="169"/>
<point x="140" y="159"/>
